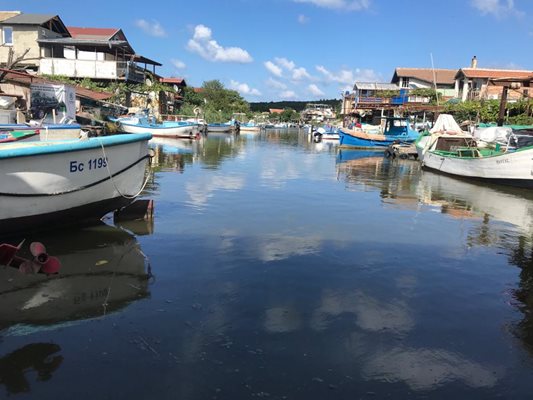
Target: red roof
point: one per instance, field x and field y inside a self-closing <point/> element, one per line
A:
<point x="198" y="90"/>
<point x="84" y="33"/>
<point x="177" y="81"/>
<point x="495" y="73"/>
<point x="276" y="110"/>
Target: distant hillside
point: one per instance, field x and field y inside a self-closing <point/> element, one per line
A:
<point x="295" y="105"/>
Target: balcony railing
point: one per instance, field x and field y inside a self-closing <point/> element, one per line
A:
<point x="93" y="69"/>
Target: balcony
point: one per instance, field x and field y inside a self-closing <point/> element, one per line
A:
<point x="106" y="70"/>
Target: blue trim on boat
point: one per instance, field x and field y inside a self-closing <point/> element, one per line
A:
<point x="41" y="148"/>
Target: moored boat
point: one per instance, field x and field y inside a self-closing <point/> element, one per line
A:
<point x="50" y="183"/>
<point x="461" y="157"/>
<point x="219" y="127"/>
<point x="47" y="131"/>
<point x="144" y="124"/>
<point x="396" y="130"/>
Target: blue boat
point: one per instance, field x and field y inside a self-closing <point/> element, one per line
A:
<point x="397" y="130"/>
<point x="48" y="131"/>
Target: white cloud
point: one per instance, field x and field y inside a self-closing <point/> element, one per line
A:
<point x="152" y="28"/>
<point x="315" y="90"/>
<point x="302" y="19"/>
<point x="244" y="89"/>
<point x="178" y="63"/>
<point x="287" y="94"/>
<point x="497" y="8"/>
<point x="284" y="63"/>
<point x="275" y="84"/>
<point x="205" y="46"/>
<point x="300" y="73"/>
<point x="349" y="5"/>
<point x="273" y="68"/>
<point x="347" y="76"/>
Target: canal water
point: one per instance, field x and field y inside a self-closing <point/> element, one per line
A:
<point x="279" y="268"/>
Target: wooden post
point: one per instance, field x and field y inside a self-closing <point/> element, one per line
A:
<point x="503" y="105"/>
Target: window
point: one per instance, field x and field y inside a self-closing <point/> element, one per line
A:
<point x="405" y="82"/>
<point x="7" y="33"/>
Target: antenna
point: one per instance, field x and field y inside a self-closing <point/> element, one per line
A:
<point x="434" y="79"/>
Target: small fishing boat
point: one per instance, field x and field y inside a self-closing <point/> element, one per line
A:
<point x="47" y="131"/>
<point x="44" y="184"/>
<point x="250" y="126"/>
<point x="326" y="133"/>
<point x="461" y="157"/>
<point x="396" y="130"/>
<point x="15" y="136"/>
<point x="219" y="127"/>
<point x="143" y="124"/>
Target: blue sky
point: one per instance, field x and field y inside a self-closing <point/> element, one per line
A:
<point x="307" y="49"/>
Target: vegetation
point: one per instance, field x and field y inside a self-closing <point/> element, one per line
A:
<point x="298" y="106"/>
<point x="426" y="92"/>
<point x="487" y="111"/>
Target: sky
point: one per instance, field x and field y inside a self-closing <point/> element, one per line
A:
<point x="271" y="50"/>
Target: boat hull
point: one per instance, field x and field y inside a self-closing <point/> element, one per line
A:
<point x="360" y="139"/>
<point x="218" y="128"/>
<point x="66" y="183"/>
<point x="186" y="132"/>
<point x="250" y="128"/>
<point x="514" y="169"/>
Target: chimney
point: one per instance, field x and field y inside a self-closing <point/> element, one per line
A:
<point x="474" y="63"/>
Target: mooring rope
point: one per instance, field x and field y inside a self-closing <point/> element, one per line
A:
<point x="129" y="197"/>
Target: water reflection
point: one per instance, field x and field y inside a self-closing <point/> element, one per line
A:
<point x="103" y="271"/>
<point x="41" y="358"/>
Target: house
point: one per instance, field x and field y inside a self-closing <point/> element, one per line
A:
<point x="276" y="110"/>
<point x="426" y="78"/>
<point x="369" y="93"/>
<point x="171" y="100"/>
<point x="100" y="54"/>
<point x="487" y="84"/>
<point x="22" y="32"/>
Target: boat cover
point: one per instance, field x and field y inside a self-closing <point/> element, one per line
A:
<point x="446" y="124"/>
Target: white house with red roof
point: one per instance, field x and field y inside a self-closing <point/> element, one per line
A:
<point x="101" y="54"/>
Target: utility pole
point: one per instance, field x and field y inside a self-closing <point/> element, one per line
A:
<point x="503" y="105"/>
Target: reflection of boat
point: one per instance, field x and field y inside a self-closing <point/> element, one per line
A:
<point x="396" y="130"/>
<point x="173" y="146"/>
<point x="345" y="155"/>
<point x="503" y="204"/>
<point x="103" y="270"/>
<point x="45" y="183"/>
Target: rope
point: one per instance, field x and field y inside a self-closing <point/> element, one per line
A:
<point x="129" y="197"/>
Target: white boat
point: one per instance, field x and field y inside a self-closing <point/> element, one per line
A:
<point x="250" y="126"/>
<point x="461" y="157"/>
<point x="218" y="127"/>
<point x="143" y="124"/>
<point x="48" y="183"/>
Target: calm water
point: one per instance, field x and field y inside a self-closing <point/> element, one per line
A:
<point x="282" y="269"/>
